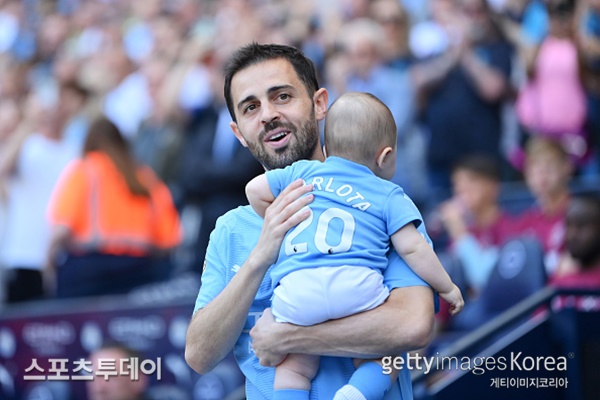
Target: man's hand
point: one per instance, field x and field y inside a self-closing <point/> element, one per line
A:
<point x="287" y="211"/>
<point x="264" y="336"/>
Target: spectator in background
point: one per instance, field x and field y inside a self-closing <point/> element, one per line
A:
<point x="111" y="218"/>
<point x="547" y="175"/>
<point x="588" y="36"/>
<point x="554" y="85"/>
<point x="158" y="140"/>
<point x="398" y="86"/>
<point x="463" y="112"/>
<point x="139" y="37"/>
<point x="396" y="55"/>
<point x="129" y="102"/>
<point x="30" y="167"/>
<point x="432" y="36"/>
<point x="74" y="99"/>
<point x="363" y="41"/>
<point x="395" y="23"/>
<point x="582" y="244"/>
<point x="120" y="386"/>
<point x="525" y="24"/>
<point x="476" y="225"/>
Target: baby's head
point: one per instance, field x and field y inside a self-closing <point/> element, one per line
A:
<point x="360" y="128"/>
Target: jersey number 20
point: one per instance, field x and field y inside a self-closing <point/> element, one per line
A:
<point x="321" y="233"/>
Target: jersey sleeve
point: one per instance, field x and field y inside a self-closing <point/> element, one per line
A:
<point x="398" y="274"/>
<point x="279" y="179"/>
<point x="214" y="274"/>
<point x="400" y="211"/>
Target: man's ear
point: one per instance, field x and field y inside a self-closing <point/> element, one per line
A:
<point x="237" y="133"/>
<point x="384" y="156"/>
<point x="321" y="100"/>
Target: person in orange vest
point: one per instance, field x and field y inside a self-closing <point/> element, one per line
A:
<point x="110" y="220"/>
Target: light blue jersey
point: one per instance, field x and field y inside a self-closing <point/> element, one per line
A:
<point x="354" y="213"/>
<point x="235" y="235"/>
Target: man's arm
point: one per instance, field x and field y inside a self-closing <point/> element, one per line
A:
<point x="404" y="322"/>
<point x="215" y="328"/>
<point x="259" y="194"/>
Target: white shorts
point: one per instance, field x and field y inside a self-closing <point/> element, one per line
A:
<point x="313" y="295"/>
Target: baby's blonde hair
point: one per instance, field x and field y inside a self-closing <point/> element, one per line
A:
<point x="358" y="126"/>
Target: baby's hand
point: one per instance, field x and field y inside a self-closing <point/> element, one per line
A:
<point x="454" y="297"/>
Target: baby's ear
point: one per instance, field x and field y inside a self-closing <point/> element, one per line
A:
<point x="384" y="156"/>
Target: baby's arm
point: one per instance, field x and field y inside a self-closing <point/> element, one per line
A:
<point x="259" y="194"/>
<point x="419" y="255"/>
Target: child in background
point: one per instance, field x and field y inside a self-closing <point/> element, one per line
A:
<point x="555" y="86"/>
<point x="336" y="256"/>
<point x="475" y="223"/>
<point x="547" y="174"/>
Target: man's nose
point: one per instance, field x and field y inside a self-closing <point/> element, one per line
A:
<point x="269" y="113"/>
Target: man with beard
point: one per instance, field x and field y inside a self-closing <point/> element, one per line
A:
<point x="583" y="244"/>
<point x="275" y="104"/>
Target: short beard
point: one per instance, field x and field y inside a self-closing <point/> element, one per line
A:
<point x="307" y="139"/>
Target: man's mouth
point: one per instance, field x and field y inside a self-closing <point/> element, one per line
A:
<point x="277" y="136"/>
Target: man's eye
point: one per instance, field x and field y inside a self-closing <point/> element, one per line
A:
<point x="284" y="96"/>
<point x="249" y="108"/>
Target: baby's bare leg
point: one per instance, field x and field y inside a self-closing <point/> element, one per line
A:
<point x="296" y="372"/>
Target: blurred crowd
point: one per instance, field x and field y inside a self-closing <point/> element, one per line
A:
<point x="483" y="92"/>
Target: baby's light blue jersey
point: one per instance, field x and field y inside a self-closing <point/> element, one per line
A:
<point x="354" y="213"/>
<point x="235" y="235"/>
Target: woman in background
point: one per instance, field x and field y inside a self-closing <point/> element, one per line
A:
<point x="111" y="219"/>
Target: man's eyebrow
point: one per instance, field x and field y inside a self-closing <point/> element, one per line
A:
<point x="247" y="99"/>
<point x="271" y="90"/>
<point x="278" y="88"/>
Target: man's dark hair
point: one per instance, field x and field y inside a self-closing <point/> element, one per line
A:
<point x="254" y="53"/>
<point x="480" y="164"/>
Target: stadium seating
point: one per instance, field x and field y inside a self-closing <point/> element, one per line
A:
<point x="519" y="273"/>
